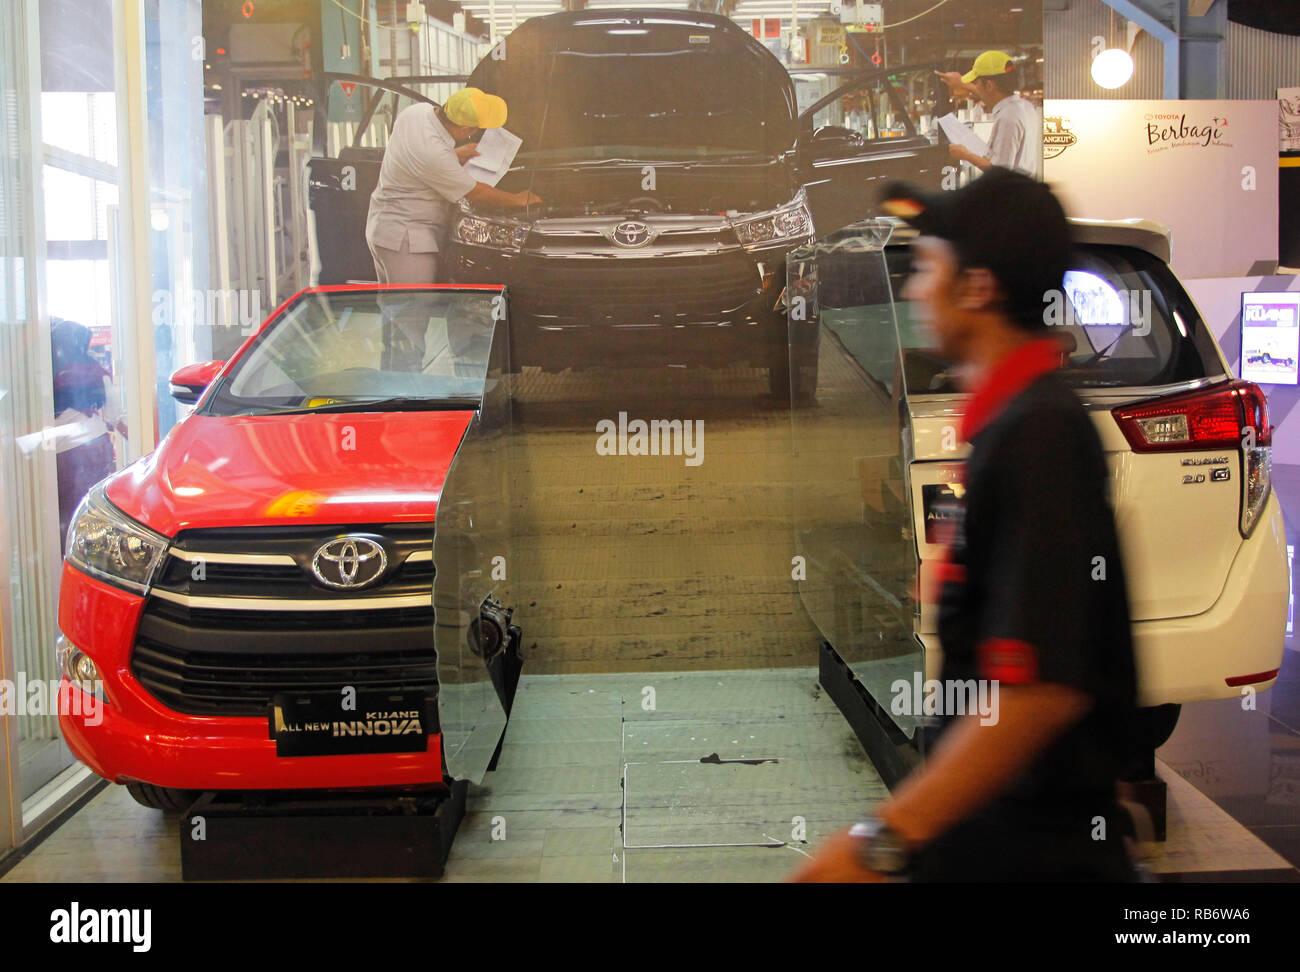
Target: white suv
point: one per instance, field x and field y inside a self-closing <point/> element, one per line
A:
<point x="1188" y="447"/>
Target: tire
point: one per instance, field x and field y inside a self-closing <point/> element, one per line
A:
<point x="1155" y="725"/>
<point x="797" y="387"/>
<point x="161" y="797"/>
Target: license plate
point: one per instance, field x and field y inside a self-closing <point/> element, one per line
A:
<point x="346" y="723"/>
<point x="943" y="512"/>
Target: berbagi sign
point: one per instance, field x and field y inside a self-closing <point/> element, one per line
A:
<point x="1207" y="170"/>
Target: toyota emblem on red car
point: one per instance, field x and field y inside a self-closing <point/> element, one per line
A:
<point x="349" y="563"/>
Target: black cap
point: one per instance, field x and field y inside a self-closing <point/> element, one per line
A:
<point x="1003" y="221"/>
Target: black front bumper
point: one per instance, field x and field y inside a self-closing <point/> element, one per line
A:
<point x="715" y="310"/>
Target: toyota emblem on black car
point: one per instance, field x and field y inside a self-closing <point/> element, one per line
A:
<point x="349" y="562"/>
<point x="631" y="233"/>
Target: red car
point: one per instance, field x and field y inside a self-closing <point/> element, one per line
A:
<point x="253" y="602"/>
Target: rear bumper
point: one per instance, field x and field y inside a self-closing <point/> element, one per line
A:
<point x="1192" y="659"/>
<point x="135" y="738"/>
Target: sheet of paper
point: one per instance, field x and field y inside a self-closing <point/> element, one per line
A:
<point x="959" y="134"/>
<point x="496" y="150"/>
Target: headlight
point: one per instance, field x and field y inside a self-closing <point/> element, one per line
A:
<point x="106" y="543"/>
<point x="789" y="223"/>
<point x="477" y="231"/>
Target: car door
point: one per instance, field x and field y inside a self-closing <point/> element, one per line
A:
<point x="340" y="180"/>
<point x="862" y="134"/>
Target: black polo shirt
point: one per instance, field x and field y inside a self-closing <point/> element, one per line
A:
<point x="1035" y="591"/>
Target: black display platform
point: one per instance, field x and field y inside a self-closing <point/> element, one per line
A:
<point x="890" y="751"/>
<point x="234" y="837"/>
<point x="894" y="755"/>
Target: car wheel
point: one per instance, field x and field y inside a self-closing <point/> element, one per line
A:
<point x="1155" y="724"/>
<point x="803" y="383"/>
<point x="797" y="386"/>
<point x="161" y="797"/>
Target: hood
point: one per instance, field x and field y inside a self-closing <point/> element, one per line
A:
<point x="647" y="85"/>
<point x="347" y="468"/>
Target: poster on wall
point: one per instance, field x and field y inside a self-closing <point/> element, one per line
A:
<point x="661" y="168"/>
<point x="1288" y="193"/>
<point x="1270" y="337"/>
<point x="1205" y="169"/>
<point x="1289" y="119"/>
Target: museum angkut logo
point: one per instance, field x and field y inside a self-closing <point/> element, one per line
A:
<point x="1057" y="136"/>
<point x="1167" y="131"/>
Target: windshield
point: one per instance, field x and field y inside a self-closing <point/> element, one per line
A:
<point x="1124" y="319"/>
<point x="366" y="350"/>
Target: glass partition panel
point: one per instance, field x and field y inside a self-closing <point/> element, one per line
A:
<point x="852" y="516"/>
<point x="472" y="548"/>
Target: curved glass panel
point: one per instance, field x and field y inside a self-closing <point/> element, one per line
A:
<point x="852" y="511"/>
<point x="473" y="552"/>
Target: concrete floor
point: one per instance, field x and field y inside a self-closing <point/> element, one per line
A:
<point x="651" y="564"/>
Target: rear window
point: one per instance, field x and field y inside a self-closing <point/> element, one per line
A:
<point x="1124" y="317"/>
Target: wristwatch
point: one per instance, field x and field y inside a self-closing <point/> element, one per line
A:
<point x="882" y="848"/>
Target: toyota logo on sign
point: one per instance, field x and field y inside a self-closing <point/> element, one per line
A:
<point x="348" y="563"/>
<point x="631" y="233"/>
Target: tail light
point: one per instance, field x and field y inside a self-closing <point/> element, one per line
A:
<point x="1233" y="415"/>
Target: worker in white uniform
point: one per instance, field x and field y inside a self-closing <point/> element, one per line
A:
<point x="1017" y="140"/>
<point x="422" y="178"/>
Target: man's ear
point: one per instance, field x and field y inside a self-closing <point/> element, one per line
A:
<point x="978" y="290"/>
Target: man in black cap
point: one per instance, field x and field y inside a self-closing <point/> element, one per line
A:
<point x="1033" y="594"/>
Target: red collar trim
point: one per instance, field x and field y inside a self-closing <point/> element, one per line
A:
<point x="1012" y="374"/>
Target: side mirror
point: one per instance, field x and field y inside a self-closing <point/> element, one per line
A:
<point x="829" y="139"/>
<point x="189" y="382"/>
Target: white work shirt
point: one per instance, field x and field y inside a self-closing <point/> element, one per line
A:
<point x="1017" y="140"/>
<point x="419" y="182"/>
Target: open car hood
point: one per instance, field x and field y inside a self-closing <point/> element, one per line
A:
<point x="649" y="85"/>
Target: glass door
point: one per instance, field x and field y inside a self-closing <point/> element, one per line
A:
<point x="63" y="360"/>
<point x="17" y="313"/>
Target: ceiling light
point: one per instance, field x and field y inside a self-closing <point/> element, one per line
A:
<point x="1112" y="68"/>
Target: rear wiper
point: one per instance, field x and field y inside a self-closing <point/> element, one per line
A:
<point x="1104" y="351"/>
<point x="384" y="405"/>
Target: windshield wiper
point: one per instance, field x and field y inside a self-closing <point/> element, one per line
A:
<point x="396" y="404"/>
<point x="1104" y="351"/>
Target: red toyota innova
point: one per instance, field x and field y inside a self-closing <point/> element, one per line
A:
<point x="279" y="541"/>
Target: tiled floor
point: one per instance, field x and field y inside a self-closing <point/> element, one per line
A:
<point x="595" y="784"/>
<point x="595" y="787"/>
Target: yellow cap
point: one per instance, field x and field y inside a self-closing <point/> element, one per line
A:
<point x="470" y="106"/>
<point x="988" y="64"/>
